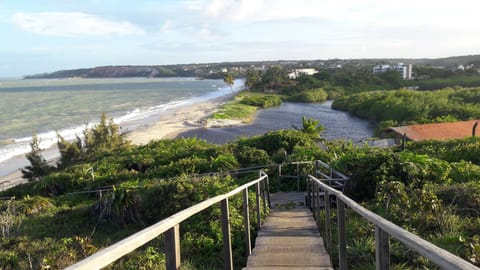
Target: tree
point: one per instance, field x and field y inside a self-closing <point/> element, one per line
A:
<point x="228" y="79"/>
<point x="103" y="138"/>
<point x="254" y="78"/>
<point x="70" y="152"/>
<point x="311" y="127"/>
<point x="38" y="165"/>
<point x="275" y="77"/>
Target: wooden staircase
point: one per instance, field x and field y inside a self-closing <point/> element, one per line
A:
<point x="289" y="238"/>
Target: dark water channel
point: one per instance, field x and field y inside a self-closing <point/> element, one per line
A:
<point x="338" y="124"/>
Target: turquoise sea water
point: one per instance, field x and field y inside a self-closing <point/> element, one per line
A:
<point x="68" y="105"/>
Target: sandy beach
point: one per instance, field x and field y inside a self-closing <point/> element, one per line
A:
<point x="182" y="119"/>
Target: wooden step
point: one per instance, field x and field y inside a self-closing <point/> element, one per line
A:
<point x="289" y="259"/>
<point x="320" y="249"/>
<point x="289" y="239"/>
<point x="288" y="267"/>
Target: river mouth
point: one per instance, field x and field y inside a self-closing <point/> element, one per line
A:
<point x="339" y="125"/>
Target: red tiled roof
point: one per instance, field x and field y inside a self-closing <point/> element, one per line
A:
<point x="438" y="131"/>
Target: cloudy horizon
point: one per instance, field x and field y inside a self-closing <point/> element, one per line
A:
<point x="50" y="35"/>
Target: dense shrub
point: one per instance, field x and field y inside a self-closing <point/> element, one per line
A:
<point x="272" y="141"/>
<point x="313" y="95"/>
<point x="262" y="101"/>
<point x="405" y="106"/>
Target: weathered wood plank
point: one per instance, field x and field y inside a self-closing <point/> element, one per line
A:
<point x="382" y="250"/>
<point x="440" y="257"/>
<point x="112" y="253"/>
<point x="342" y="240"/>
<point x="227" y="240"/>
<point x="289" y="237"/>
<point x="172" y="248"/>
<point x="246" y="223"/>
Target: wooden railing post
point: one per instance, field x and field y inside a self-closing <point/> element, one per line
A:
<point x="263" y="189"/>
<point x="227" y="241"/>
<point x="382" y="249"/>
<point x="328" y="231"/>
<point x="298" y="177"/>
<point x="279" y="181"/>
<point x="314" y="198"/>
<point x="342" y="241"/>
<point x="172" y="248"/>
<point x="257" y="198"/>
<point x="317" y="212"/>
<point x="246" y="222"/>
<point x="308" y="198"/>
<point x="268" y="192"/>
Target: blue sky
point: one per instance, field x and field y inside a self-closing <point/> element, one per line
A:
<point x="47" y="35"/>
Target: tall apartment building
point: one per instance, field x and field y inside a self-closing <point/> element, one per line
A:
<point x="405" y="70"/>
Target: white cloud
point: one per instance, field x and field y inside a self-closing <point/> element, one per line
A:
<point x="167" y="26"/>
<point x="342" y="11"/>
<point x="207" y="34"/>
<point x="72" y="24"/>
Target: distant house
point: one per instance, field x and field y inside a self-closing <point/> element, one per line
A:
<point x="301" y="71"/>
<point x="437" y="131"/>
<point x="404" y="70"/>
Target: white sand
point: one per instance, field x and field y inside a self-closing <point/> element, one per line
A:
<point x="11" y="180"/>
<point x="184" y="118"/>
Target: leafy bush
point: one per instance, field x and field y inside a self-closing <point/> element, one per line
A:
<point x="121" y="206"/>
<point x="274" y="140"/>
<point x="311" y="127"/>
<point x="249" y="156"/>
<point x="313" y="95"/>
<point x="262" y="101"/>
<point x="32" y="205"/>
<point x="405" y="106"/>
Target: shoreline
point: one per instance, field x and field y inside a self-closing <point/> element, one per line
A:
<point x="182" y="119"/>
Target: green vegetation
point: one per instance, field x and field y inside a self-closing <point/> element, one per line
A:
<point x="38" y="165"/>
<point x="311" y="127"/>
<point x="314" y="95"/>
<point x="262" y="101"/>
<point x="430" y="78"/>
<point x="421" y="192"/>
<point x="49" y="225"/>
<point x="346" y="80"/>
<point x="351" y="79"/>
<point x="235" y="110"/>
<point x="407" y="107"/>
<point x="228" y="79"/>
<point x="245" y="105"/>
<point x="430" y="188"/>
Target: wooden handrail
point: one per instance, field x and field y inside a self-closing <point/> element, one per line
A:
<point x="114" y="252"/>
<point x="439" y="256"/>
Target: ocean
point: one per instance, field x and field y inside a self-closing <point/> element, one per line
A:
<point x="68" y="106"/>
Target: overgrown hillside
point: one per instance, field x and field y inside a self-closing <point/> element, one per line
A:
<point x="430" y="188"/>
<point x="401" y="107"/>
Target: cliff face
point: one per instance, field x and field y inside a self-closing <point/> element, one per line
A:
<point x="122" y="71"/>
<point x="108" y="72"/>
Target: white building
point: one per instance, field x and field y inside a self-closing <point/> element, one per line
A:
<point x="404" y="69"/>
<point x="301" y="71"/>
